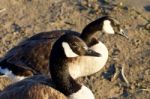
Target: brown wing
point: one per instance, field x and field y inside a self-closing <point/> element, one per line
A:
<point x="34" y="52"/>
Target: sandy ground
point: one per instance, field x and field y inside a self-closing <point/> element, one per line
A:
<point x="20" y="19"/>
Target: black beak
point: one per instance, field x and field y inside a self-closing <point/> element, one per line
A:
<point x="90" y="52"/>
<point x="123" y="33"/>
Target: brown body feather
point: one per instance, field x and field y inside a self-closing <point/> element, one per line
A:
<point x="36" y="87"/>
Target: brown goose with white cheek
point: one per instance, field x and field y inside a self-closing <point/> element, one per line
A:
<point x="31" y="56"/>
<point x="65" y="49"/>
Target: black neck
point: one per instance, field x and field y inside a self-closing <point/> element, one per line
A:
<point x="60" y="73"/>
<point x="89" y="33"/>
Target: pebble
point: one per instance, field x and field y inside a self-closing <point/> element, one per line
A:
<point x="148" y="43"/>
<point x="147" y="72"/>
<point x="132" y="86"/>
<point x="127" y="26"/>
<point x="15" y="27"/>
<point x="147" y="26"/>
<point x="84" y="2"/>
<point x="96" y="7"/>
<point x="121" y="4"/>
<point x="116" y="52"/>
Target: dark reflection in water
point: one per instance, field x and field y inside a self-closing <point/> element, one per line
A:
<point x="147" y="8"/>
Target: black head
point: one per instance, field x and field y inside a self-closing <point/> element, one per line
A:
<point x="112" y="26"/>
<point x="105" y="24"/>
<point x="67" y="48"/>
<point x="72" y="46"/>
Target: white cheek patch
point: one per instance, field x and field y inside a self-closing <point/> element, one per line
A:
<point x="68" y="51"/>
<point x="107" y="28"/>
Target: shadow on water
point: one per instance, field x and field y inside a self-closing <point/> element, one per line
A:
<point x="147" y="8"/>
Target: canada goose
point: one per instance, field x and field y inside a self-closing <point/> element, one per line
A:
<point x="33" y="54"/>
<point x="65" y="50"/>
